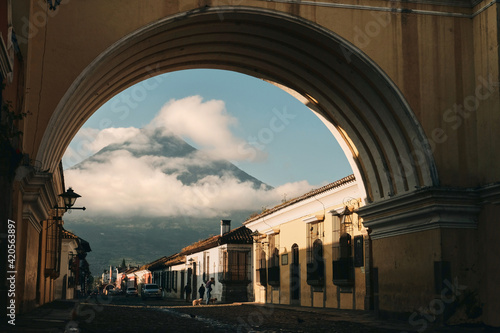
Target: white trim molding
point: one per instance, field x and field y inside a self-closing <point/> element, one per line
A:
<point x="424" y="209"/>
<point x="314" y="218"/>
<point x="6" y="66"/>
<point x="39" y="197"/>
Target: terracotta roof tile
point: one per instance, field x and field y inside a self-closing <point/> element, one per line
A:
<point x="241" y="235"/>
<point x="201" y="245"/>
<point x="68" y="234"/>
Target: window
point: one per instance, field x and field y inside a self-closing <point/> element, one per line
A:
<point x="314" y="232"/>
<point x="316" y="265"/>
<point x="53" y="248"/>
<point x="295" y="273"/>
<point x="171" y="281"/>
<point x="260" y="254"/>
<point x="315" y="261"/>
<point x="343" y="264"/>
<point x="235" y="266"/>
<point x="174" y="281"/>
<point x="358" y="251"/>
<point x="207" y="267"/>
<point x="167" y="281"/>
<point x="273" y="272"/>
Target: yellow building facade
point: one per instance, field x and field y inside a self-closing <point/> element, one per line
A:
<point x="313" y="250"/>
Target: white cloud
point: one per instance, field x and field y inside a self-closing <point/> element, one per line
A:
<point x="208" y="125"/>
<point x="89" y="141"/>
<point x="121" y="184"/>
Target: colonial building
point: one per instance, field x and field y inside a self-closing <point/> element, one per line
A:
<point x="73" y="268"/>
<point x="313" y="250"/>
<point x="169" y="274"/>
<point x="225" y="257"/>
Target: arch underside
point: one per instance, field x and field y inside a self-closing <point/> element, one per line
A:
<point x="387" y="143"/>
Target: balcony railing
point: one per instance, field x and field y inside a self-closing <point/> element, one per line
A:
<point x="273" y="276"/>
<point x="343" y="272"/>
<point x="262" y="276"/>
<point x="234" y="277"/>
<point x="316" y="273"/>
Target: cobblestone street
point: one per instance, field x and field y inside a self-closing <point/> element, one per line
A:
<point x="121" y="314"/>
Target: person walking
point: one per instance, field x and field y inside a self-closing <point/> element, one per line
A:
<point x="210" y="283"/>
<point x="201" y="291"/>
<point x="187" y="290"/>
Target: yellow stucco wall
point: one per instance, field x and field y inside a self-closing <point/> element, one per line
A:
<point x="295" y="232"/>
<point x="436" y="61"/>
<point x="408" y="258"/>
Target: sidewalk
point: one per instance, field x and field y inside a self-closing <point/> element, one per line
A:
<point x="55" y="316"/>
<point x="51" y="317"/>
<point x="369" y="318"/>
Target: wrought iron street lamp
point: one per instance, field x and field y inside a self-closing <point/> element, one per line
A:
<point x="69" y="197"/>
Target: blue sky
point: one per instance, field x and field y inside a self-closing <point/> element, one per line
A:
<point x="285" y="141"/>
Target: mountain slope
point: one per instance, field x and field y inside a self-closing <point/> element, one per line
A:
<point x="141" y="238"/>
<point x="186" y="162"/>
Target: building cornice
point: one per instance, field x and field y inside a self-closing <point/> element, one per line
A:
<point x="448" y="8"/>
<point x="312" y="196"/>
<point x="490" y="194"/>
<point x="305" y="209"/>
<point x="39" y="196"/>
<point x="424" y="209"/>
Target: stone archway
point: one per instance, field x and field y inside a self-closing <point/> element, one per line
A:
<point x="422" y="233"/>
<point x="387" y="144"/>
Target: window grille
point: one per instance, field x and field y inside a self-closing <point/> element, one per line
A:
<point x="273" y="271"/>
<point x="261" y="272"/>
<point x="53" y="248"/>
<point x="343" y="264"/>
<point x="295" y="273"/>
<point x="316" y="265"/>
<point x="236" y="266"/>
<point x="314" y="232"/>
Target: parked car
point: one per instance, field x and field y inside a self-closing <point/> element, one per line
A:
<point x="150" y="290"/>
<point x="131" y="291"/>
<point x="114" y="292"/>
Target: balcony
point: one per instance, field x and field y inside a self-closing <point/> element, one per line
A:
<point x="262" y="276"/>
<point x="234" y="278"/>
<point x="273" y="276"/>
<point x="316" y="273"/>
<point x="343" y="272"/>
